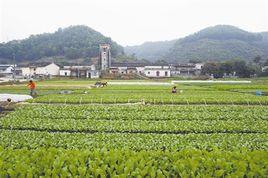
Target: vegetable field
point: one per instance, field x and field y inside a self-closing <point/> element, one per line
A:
<point x="136" y="131"/>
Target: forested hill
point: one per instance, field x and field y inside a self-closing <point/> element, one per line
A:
<point x="221" y="42"/>
<point x="72" y="42"/>
<point x="150" y="50"/>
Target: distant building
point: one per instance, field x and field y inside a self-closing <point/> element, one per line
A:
<point x="186" y="69"/>
<point x="79" y="71"/>
<point x="104" y="57"/>
<point x="51" y="69"/>
<point x="131" y="70"/>
<point x="6" y="70"/>
<point x="114" y="70"/>
<point x="263" y="69"/>
<point x="157" y="71"/>
<point x="127" y="68"/>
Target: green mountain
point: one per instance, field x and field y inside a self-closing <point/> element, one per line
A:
<point x="221" y="42"/>
<point x="150" y="50"/>
<point x="70" y="43"/>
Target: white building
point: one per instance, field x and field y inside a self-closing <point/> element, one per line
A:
<point x="65" y="72"/>
<point x="263" y="69"/>
<point x="6" y="70"/>
<point x="157" y="71"/>
<point x="140" y="70"/>
<point x="127" y="68"/>
<point x="80" y="71"/>
<point x="186" y="69"/>
<point x="45" y="70"/>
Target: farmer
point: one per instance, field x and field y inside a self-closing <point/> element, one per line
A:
<point x="31" y="86"/>
<point x="174" y="89"/>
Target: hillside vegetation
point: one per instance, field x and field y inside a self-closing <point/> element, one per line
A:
<point x="72" y="42"/>
<point x="221" y="42"/>
<point x="150" y="50"/>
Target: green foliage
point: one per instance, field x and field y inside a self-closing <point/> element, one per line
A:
<point x="164" y="120"/>
<point x="72" y="42"/>
<point x="218" y="43"/>
<point x="102" y="163"/>
<point x="237" y="67"/>
<point x="136" y="127"/>
<point x="100" y="140"/>
<point x="154" y="95"/>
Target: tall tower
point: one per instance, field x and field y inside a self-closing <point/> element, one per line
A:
<point x="104" y="57"/>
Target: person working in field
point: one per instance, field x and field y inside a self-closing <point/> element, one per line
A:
<point x="31" y="86"/>
<point x="174" y="89"/>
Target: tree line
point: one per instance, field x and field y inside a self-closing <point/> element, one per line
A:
<point x="237" y="68"/>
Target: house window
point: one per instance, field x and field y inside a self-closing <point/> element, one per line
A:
<point x="65" y="73"/>
<point x="157" y="73"/>
<point x="148" y="72"/>
<point x="166" y="73"/>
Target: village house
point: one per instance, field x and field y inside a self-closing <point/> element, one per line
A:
<point x="157" y="71"/>
<point x="188" y="69"/>
<point x="114" y="70"/>
<point x="127" y="68"/>
<point x="6" y="70"/>
<point x="263" y="69"/>
<point x="131" y="70"/>
<point x="51" y="69"/>
<point x="79" y="71"/>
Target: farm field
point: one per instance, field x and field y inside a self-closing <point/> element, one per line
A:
<point x="214" y="130"/>
<point x="190" y="94"/>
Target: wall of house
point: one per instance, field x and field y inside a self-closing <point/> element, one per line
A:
<point x="40" y="71"/>
<point x="198" y="66"/>
<point x="25" y="71"/>
<point x="94" y="74"/>
<point x="153" y="73"/>
<point x="51" y="69"/>
<point x="122" y="70"/>
<point x="9" y="69"/>
<point x="65" y="72"/>
<point x="140" y="70"/>
<point x="131" y="71"/>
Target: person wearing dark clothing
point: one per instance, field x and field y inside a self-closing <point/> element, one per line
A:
<point x="174" y="89"/>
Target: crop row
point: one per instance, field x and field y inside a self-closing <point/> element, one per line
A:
<point x="187" y="97"/>
<point x="102" y="163"/>
<point x="141" y="112"/>
<point x="138" y="141"/>
<point x="160" y="126"/>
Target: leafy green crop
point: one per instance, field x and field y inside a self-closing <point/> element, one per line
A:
<point x="53" y="162"/>
<point x="213" y="138"/>
<point x="135" y="141"/>
<point x="155" y="97"/>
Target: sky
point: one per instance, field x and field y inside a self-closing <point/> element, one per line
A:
<point x="130" y="22"/>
